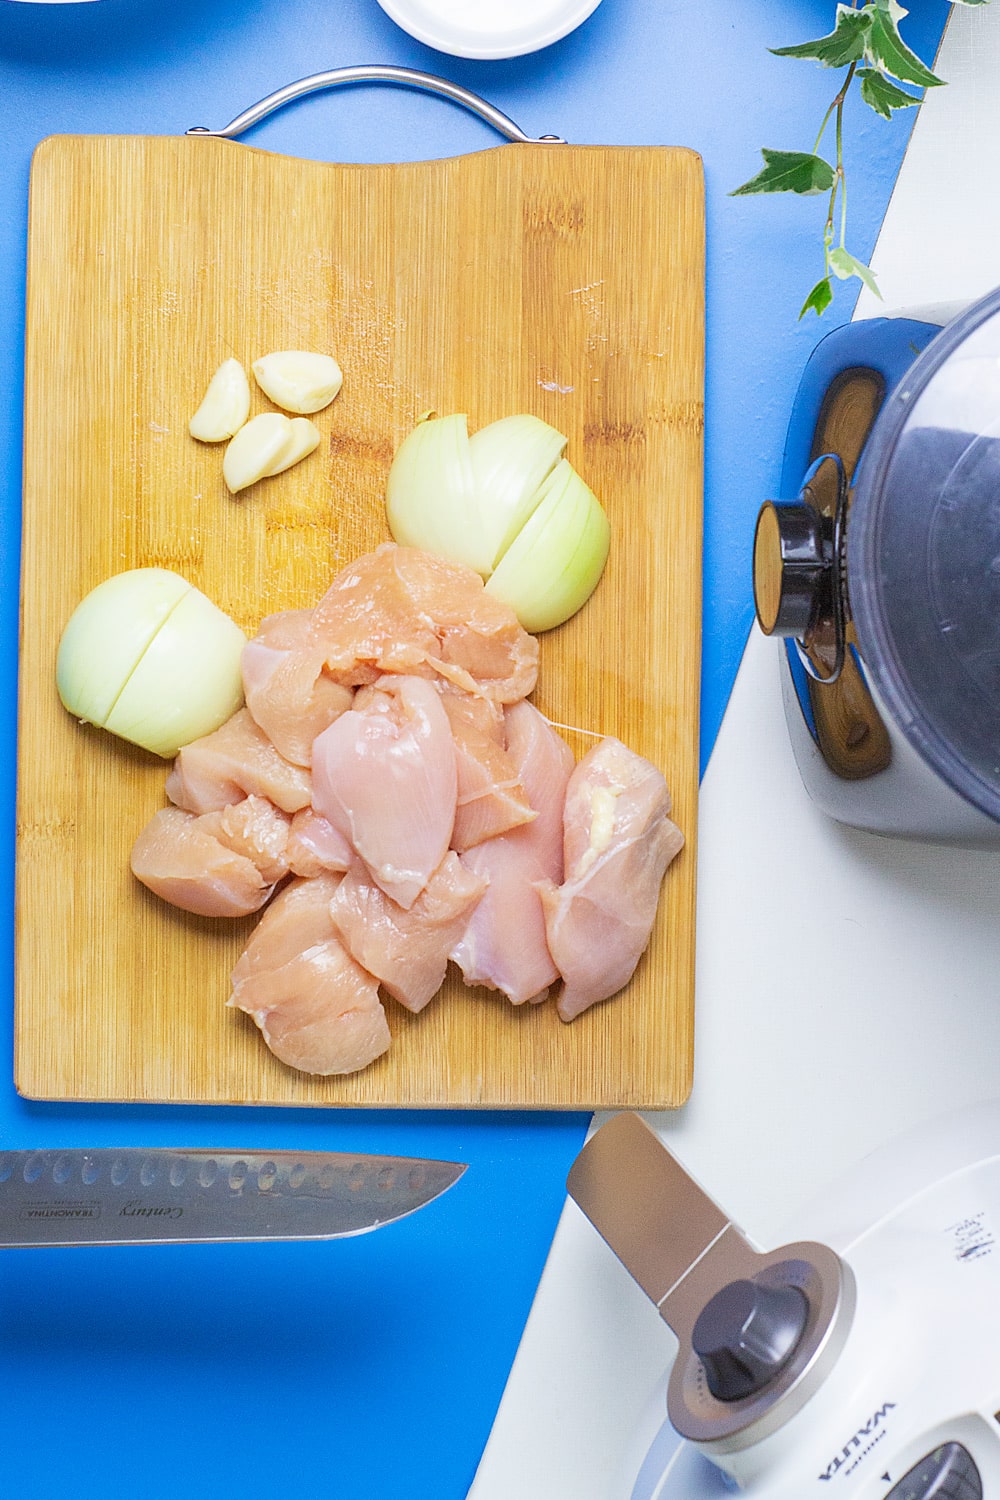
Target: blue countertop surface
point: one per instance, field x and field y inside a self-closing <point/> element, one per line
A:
<point x="374" y="1366"/>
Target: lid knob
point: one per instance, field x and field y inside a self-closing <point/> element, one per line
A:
<point x="790" y="566"/>
<point x="746" y="1334"/>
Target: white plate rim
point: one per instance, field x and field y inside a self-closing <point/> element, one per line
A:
<point x="557" y="21"/>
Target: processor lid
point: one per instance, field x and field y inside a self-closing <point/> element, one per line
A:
<point x="923" y="554"/>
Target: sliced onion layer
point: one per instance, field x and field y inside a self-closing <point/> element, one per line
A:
<point x="555" y="562"/>
<point x="431" y="496"/>
<point x="511" y="459"/>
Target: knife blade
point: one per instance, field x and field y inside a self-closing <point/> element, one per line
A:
<point x="109" y="1196"/>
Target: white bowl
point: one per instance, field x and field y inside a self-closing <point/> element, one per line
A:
<point x="488" y="28"/>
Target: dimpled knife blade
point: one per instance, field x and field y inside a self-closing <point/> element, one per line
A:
<point x="104" y="1196"/>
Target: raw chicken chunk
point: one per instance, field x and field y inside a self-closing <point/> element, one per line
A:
<point x="384" y="775"/>
<point x="399" y="609"/>
<point x="254" y="828"/>
<point x="182" y="858"/>
<point x="287" y="691"/>
<point x="491" y="798"/>
<point x="407" y="950"/>
<point x="314" y="845"/>
<point x="618" y="843"/>
<point x="504" y="944"/>
<point x="236" y="761"/>
<point x="316" y="1008"/>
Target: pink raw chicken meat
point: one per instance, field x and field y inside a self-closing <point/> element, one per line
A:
<point x="287" y="691"/>
<point x="314" y="845"/>
<point x="491" y="798"/>
<point x="384" y="776"/>
<point x="232" y="763"/>
<point x="316" y="1008"/>
<point x="619" y="841"/>
<point x="406" y="950"/>
<point x="221" y="864"/>
<point x="504" y="943"/>
<point x="399" y="609"/>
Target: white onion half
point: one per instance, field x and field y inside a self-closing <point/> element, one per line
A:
<point x="555" y="562"/>
<point x="431" y="497"/>
<point x="149" y="657"/>
<point x="506" y="503"/>
<point x="511" y="459"/>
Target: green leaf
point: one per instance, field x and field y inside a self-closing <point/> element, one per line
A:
<point x="844" y="266"/>
<point x="882" y="95"/>
<point x="789" y="172"/>
<point x="819" y="298"/>
<point x="843" y="45"/>
<point x="889" y="53"/>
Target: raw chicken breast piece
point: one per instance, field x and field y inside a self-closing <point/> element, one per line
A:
<point x="491" y="798"/>
<point x="256" y="829"/>
<point x="406" y="950"/>
<point x="315" y="846"/>
<point x="399" y="609"/>
<point x="235" y="761"/>
<point x="288" y="694"/>
<point x="296" y="920"/>
<point x="619" y="841"/>
<point x="316" y="1008"/>
<point x="184" y="862"/>
<point x="504" y="944"/>
<point x="384" y="775"/>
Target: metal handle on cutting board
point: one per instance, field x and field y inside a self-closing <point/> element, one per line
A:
<point x="428" y="83"/>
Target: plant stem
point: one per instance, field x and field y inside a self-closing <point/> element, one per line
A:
<point x="839" y="179"/>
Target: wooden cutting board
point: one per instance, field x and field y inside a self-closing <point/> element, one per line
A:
<point x="564" y="281"/>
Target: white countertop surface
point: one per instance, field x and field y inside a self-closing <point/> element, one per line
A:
<point x="847" y="986"/>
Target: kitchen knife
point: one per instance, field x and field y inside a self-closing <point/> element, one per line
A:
<point x="108" y="1196"/>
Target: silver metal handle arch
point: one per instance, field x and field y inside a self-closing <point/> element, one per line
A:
<point x="428" y="83"/>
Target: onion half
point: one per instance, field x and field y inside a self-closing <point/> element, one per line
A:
<point x="431" y="498"/>
<point x="507" y="503"/>
<point x="150" y="658"/>
<point x="555" y="562"/>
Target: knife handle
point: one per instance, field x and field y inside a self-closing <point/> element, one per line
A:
<point x="411" y="78"/>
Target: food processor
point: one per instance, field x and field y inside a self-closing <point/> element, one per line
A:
<point x="859" y="1364"/>
<point x="882" y="575"/>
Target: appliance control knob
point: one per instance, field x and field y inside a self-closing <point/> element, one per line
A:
<point x="791" y="567"/>
<point x="746" y="1334"/>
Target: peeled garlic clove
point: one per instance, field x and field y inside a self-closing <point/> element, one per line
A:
<point x="297" y="380"/>
<point x="256" y="450"/>
<point x="225" y="407"/>
<point x="303" y="437"/>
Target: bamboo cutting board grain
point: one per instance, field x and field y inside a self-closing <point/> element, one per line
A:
<point x="564" y="281"/>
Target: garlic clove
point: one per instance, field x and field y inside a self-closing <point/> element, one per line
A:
<point x="225" y="406"/>
<point x="303" y="438"/>
<point x="255" y="450"/>
<point x="297" y="380"/>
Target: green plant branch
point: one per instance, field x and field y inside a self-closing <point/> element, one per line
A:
<point x="866" y="45"/>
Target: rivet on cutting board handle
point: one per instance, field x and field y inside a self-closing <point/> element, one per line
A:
<point x="376" y="73"/>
